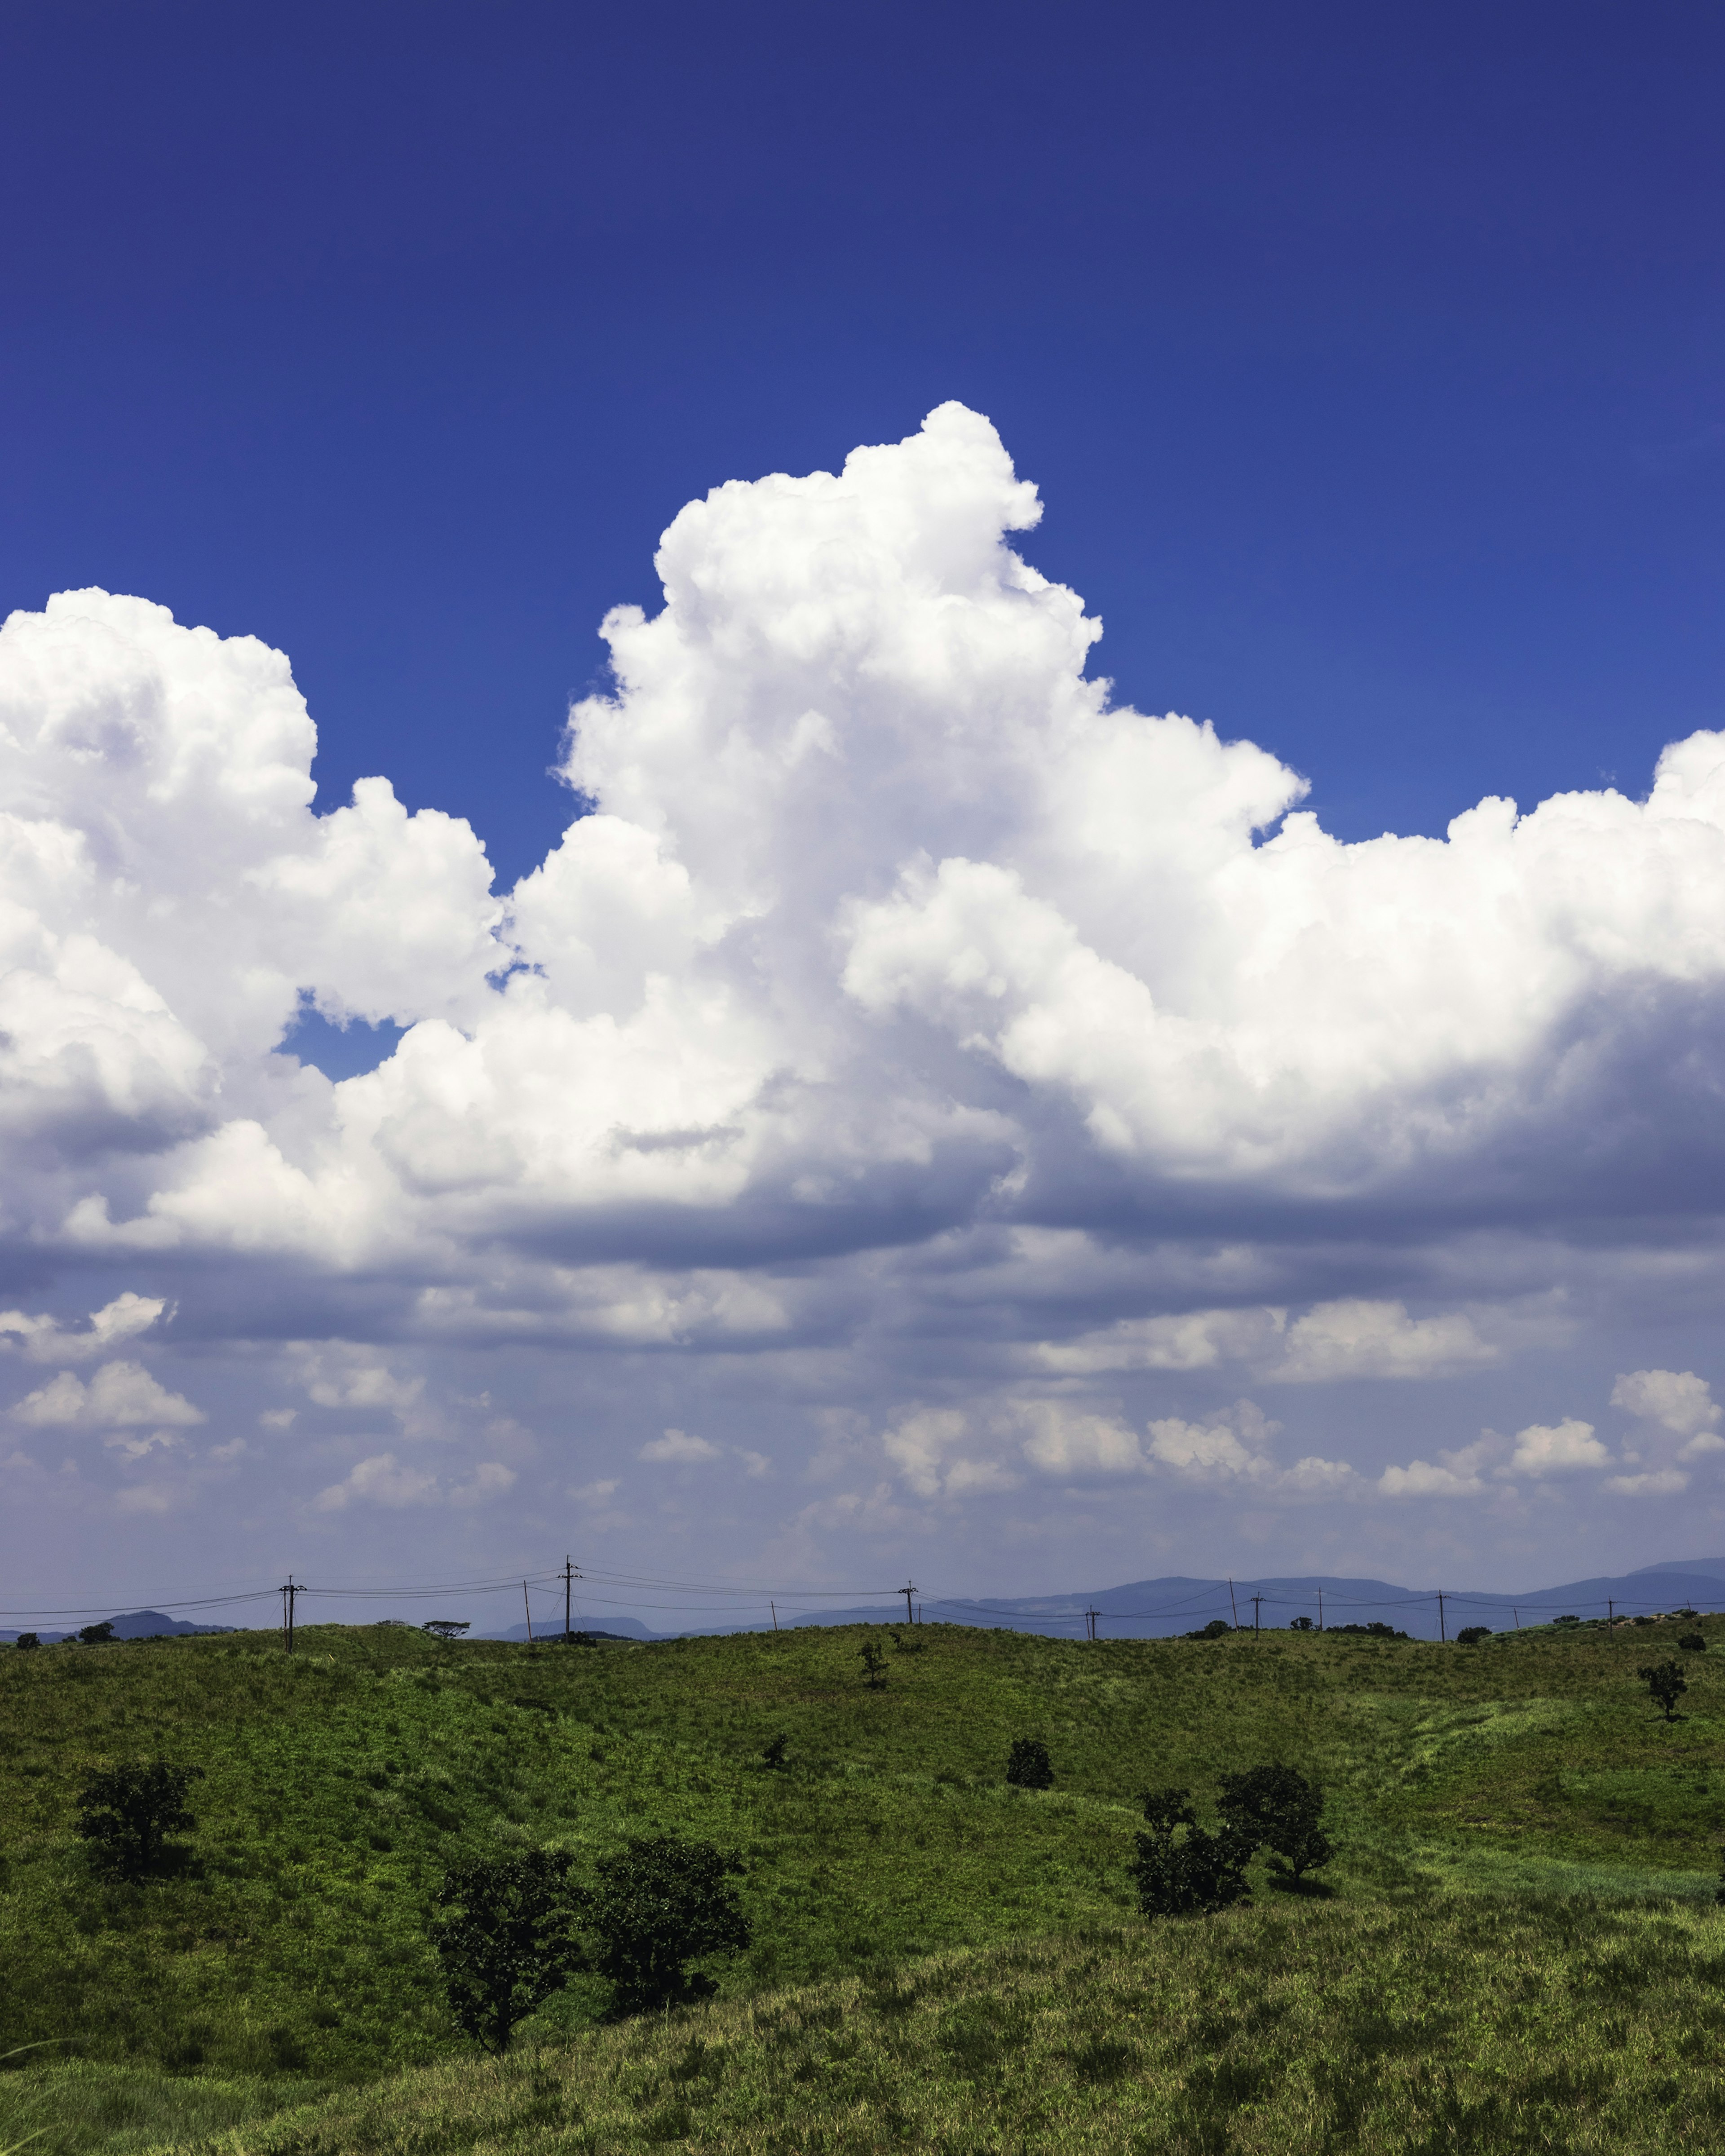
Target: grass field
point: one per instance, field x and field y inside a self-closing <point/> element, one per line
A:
<point x="1517" y="1946"/>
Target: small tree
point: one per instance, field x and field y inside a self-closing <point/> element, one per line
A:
<point x="95" y="1635"/>
<point x="128" y="1815"/>
<point x="1185" y="1874"/>
<point x="27" y="1640"/>
<point x="1277" y="1809"/>
<point x="447" y="1627"/>
<point x="662" y="1903"/>
<point x="1469" y="1635"/>
<point x="874" y="1663"/>
<point x="1665" y="1682"/>
<point x="1027" y="1765"/>
<point x="1300" y="1624"/>
<point x="1691" y="1643"/>
<point x="776" y="1747"/>
<point x="505" y="1932"/>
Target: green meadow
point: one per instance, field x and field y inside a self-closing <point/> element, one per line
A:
<point x="1517" y="1945"/>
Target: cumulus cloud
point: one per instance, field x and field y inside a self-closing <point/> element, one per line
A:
<point x="900" y="981"/>
<point x="679" y="1449"/>
<point x="44" y="1340"/>
<point x="1359" y="1338"/>
<point x="120" y="1394"/>
<point x="387" y="1482"/>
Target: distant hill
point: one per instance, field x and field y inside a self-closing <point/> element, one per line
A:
<point x="134" y="1625"/>
<point x="1156" y="1609"/>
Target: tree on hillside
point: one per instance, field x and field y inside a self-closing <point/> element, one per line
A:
<point x="447" y="1627"/>
<point x="1182" y="1870"/>
<point x="504" y="1932"/>
<point x="1300" y="1624"/>
<point x="874" y="1663"/>
<point x="1469" y="1635"/>
<point x="1665" y="1683"/>
<point x="1691" y="1643"/>
<point x="27" y="1640"/>
<point x="129" y="1814"/>
<point x="662" y="1903"/>
<point x="1027" y="1765"/>
<point x="1276" y="1808"/>
<point x="95" y="1635"/>
<point x="774" y="1754"/>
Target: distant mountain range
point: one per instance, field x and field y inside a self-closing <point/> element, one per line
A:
<point x="1157" y="1609"/>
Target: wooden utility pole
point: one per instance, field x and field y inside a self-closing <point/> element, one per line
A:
<point x="1442" y="1633"/>
<point x="528" y="1607"/>
<point x="1091" y="1616"/>
<point x="1320" y="1609"/>
<point x="287" y="1593"/>
<point x="1611" y="1618"/>
<point x="908" y="1591"/>
<point x="1256" y="1599"/>
<point x="1234" y="1605"/>
<point x="773" y="1607"/>
<point x="570" y="1577"/>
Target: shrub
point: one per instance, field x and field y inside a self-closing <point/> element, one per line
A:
<point x="662" y="1903"/>
<point x="1469" y="1635"/>
<point x="1691" y="1643"/>
<point x="1301" y="1624"/>
<point x="1566" y="1620"/>
<point x="446" y="1627"/>
<point x="505" y="1932"/>
<point x="1186" y="1874"/>
<point x="1027" y="1765"/>
<point x="776" y="1747"/>
<point x="1377" y="1630"/>
<point x="874" y="1663"/>
<point x="27" y="1640"/>
<point x="95" y="1635"/>
<point x="1218" y="1628"/>
<point x="128" y="1815"/>
<point x="1665" y="1682"/>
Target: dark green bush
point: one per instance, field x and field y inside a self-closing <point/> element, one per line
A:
<point x="662" y="1903"/>
<point x="504" y="1932"/>
<point x="1027" y="1765"/>
<point x="1300" y="1624"/>
<point x="1276" y="1808"/>
<point x="95" y="1635"/>
<point x="1218" y="1628"/>
<point x="27" y="1640"/>
<point x="1691" y="1643"/>
<point x="128" y="1813"/>
<point x="873" y="1662"/>
<point x="1180" y="1870"/>
<point x="1469" y="1635"/>
<point x="776" y="1747"/>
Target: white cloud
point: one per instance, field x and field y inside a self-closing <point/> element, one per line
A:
<point x="908" y="1011"/>
<point x="119" y="1393"/>
<point x="1459" y="1473"/>
<point x="44" y="1340"/>
<point x="1358" y="1339"/>
<point x="1676" y="1399"/>
<point x="382" y="1479"/>
<point x="490" y="1479"/>
<point x="136" y="1444"/>
<point x="1557" y="1449"/>
<point x="679" y="1449"/>
<point x="1196" y="1340"/>
<point x="1663" y="1482"/>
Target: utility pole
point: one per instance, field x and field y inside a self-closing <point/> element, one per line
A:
<point x="1234" y="1605"/>
<point x="908" y="1591"/>
<point x="1320" y="1609"/>
<point x="1442" y="1633"/>
<point x="1516" y="1614"/>
<point x="528" y="1607"/>
<point x="1611" y="1618"/>
<point x="773" y="1607"/>
<point x="1256" y="1599"/>
<point x="1091" y="1616"/>
<point x="287" y="1593"/>
<point x="570" y="1576"/>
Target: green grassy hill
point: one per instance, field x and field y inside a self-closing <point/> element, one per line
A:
<point x="1528" y="1860"/>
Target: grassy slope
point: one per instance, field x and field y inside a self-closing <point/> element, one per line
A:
<point x="338" y="1783"/>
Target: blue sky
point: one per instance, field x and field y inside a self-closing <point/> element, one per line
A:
<point x="1366" y="362"/>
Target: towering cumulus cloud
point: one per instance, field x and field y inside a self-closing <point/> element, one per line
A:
<point x="895" y="969"/>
